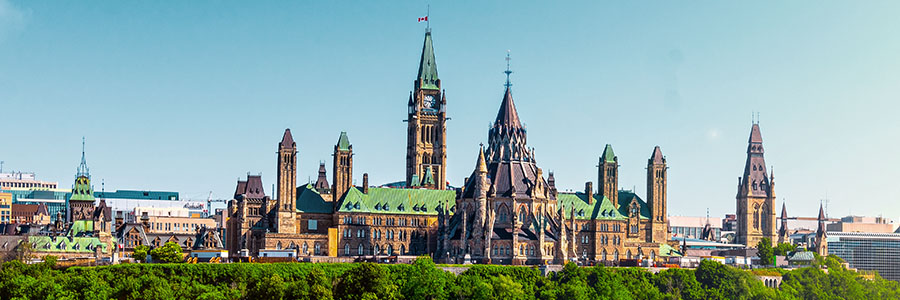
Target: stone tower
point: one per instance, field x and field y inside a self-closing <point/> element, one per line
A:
<point x="656" y="196"/>
<point x="342" y="168"/>
<point x="783" y="233"/>
<point x="755" y="196"/>
<point x="608" y="175"/>
<point x="821" y="235"/>
<point x="81" y="203"/>
<point x="426" y="146"/>
<point x="287" y="185"/>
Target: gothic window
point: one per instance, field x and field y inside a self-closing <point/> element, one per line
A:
<point x="604" y="254"/>
<point x="305" y="248"/>
<point x="628" y="254"/>
<point x="318" y="249"/>
<point x="756" y="218"/>
<point x="278" y="246"/>
<point x="754" y="167"/>
<point x="390" y="249"/>
<point x="616" y="255"/>
<point x="347" y="249"/>
<point x="521" y="250"/>
<point x="754" y="185"/>
<point x="359" y="250"/>
<point x="402" y="249"/>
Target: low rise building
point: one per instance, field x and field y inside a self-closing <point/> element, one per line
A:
<point x="862" y="224"/>
<point x="30" y="214"/>
<point x="5" y="207"/>
<point x="704" y="228"/>
<point x="24" y="180"/>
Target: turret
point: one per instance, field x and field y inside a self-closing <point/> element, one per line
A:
<point x="608" y="175"/>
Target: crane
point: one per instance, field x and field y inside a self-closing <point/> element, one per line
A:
<point x="209" y="201"/>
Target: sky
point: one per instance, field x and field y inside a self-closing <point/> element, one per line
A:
<point x="190" y="96"/>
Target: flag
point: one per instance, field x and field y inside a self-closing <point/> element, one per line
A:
<point x="423" y="19"/>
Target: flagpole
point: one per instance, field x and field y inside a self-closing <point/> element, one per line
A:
<point x="427" y="21"/>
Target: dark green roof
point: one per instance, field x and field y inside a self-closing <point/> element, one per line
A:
<point x="625" y="198"/>
<point x="343" y="143"/>
<point x="396" y="201"/>
<point x="608" y="155"/>
<point x="428" y="75"/>
<point x="429" y="178"/>
<point x="310" y="201"/>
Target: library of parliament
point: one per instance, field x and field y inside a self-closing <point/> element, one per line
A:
<point x="508" y="211"/>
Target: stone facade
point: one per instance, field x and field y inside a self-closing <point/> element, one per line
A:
<point x="756" y="196"/>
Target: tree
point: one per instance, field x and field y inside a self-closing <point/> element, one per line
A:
<point x="425" y="281"/>
<point x="24" y="250"/>
<point x="765" y="252"/>
<point x="783" y="249"/>
<point x="141" y="252"/>
<point x="366" y="281"/>
<point x="170" y="253"/>
<point x="50" y="260"/>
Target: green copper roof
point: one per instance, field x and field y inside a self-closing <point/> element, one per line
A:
<point x="62" y="244"/>
<point x="396" y="201"/>
<point x="81" y="226"/>
<point x="343" y="142"/>
<point x="625" y="198"/>
<point x="310" y="201"/>
<point x="608" y="155"/>
<point x="415" y="180"/>
<point x="82" y="190"/>
<point x="429" y="178"/>
<point x="599" y="210"/>
<point x="428" y="75"/>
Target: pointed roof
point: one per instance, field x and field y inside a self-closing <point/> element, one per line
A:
<point x="429" y="177"/>
<point x="287" y="141"/>
<point x="821" y="213"/>
<point x="481" y="165"/>
<point x="343" y="143"/>
<point x="755" y="135"/>
<point x="821" y="229"/>
<point x="507" y="115"/>
<point x="83" y="168"/>
<point x="428" y="75"/>
<point x="608" y="154"/>
<point x="322" y="181"/>
<point x="783" y="211"/>
<point x="657" y="156"/>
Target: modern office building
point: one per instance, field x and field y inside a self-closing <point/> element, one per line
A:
<point x="704" y="228"/>
<point x="54" y="199"/>
<point x="868" y="251"/>
<point x="24" y="180"/>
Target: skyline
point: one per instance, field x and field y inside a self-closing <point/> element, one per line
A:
<point x="190" y="124"/>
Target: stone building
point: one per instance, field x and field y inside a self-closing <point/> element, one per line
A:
<point x="755" y="196"/>
<point x="507" y="212"/>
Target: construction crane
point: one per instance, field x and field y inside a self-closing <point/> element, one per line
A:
<point x="209" y="201"/>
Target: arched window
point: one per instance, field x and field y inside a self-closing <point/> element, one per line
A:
<point x="756" y="218"/>
<point x="376" y="250"/>
<point x="628" y="254"/>
<point x="359" y="250"/>
<point x="318" y="249"/>
<point x="347" y="249"/>
<point x="652" y="255"/>
<point x="521" y="250"/>
<point x="390" y="249"/>
<point x="402" y="249"/>
<point x="305" y="248"/>
<point x="278" y="246"/>
<point x="616" y="255"/>
<point x="604" y="254"/>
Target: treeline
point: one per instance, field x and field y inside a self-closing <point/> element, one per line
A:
<point x="423" y="280"/>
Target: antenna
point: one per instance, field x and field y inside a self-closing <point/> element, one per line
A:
<point x="507" y="85"/>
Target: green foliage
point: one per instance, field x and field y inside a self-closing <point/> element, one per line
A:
<point x="766" y="253"/>
<point x="140" y="252"/>
<point x="783" y="249"/>
<point x="169" y="253"/>
<point x="422" y="280"/>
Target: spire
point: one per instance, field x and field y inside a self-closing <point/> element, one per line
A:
<point x="287" y="141"/>
<point x="783" y="211"/>
<point x="755" y="135"/>
<point x="657" y="156"/>
<point x="481" y="166"/>
<point x="507" y="114"/>
<point x="609" y="156"/>
<point x="83" y="168"/>
<point x="428" y="75"/>
<point x="343" y="143"/>
<point x="322" y="180"/>
<point x="821" y="229"/>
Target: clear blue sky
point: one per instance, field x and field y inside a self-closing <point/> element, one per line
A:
<point x="191" y="95"/>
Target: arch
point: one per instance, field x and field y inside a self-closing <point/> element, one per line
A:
<point x="652" y="255"/>
<point x="305" y="248"/>
<point x="278" y="246"/>
<point x="502" y="213"/>
<point x="318" y="248"/>
<point x="616" y="255"/>
<point x="523" y="214"/>
<point x="390" y="249"/>
<point x="375" y="250"/>
<point x="756" y="216"/>
<point x="360" y="249"/>
<point x="628" y="254"/>
<point x="347" y="249"/>
<point x="604" y="254"/>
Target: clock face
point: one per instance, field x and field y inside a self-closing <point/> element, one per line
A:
<point x="429" y="101"/>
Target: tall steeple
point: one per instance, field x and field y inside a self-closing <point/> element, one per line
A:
<point x="342" y="168"/>
<point x="783" y="231"/>
<point x="81" y="202"/>
<point x="426" y="146"/>
<point x="755" y="195"/>
<point x="608" y="175"/>
<point x="83" y="168"/>
<point x="507" y="138"/>
<point x="656" y="195"/>
<point x="821" y="234"/>
<point x="287" y="184"/>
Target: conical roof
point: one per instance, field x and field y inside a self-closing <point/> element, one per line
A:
<point x="783" y="211"/>
<point x="755" y="135"/>
<point x="287" y="141"/>
<point x="428" y="75"/>
<point x="481" y="165"/>
<point x="608" y="154"/>
<point x="343" y="143"/>
<point x="657" y="156"/>
<point x="507" y="115"/>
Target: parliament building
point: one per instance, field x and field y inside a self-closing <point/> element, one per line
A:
<point x="508" y="211"/>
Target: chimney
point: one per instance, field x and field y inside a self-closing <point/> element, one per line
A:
<point x="365" y="183"/>
<point x="589" y="192"/>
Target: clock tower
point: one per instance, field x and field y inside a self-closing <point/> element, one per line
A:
<point x="426" y="145"/>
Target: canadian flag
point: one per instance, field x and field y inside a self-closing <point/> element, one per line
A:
<point x="423" y="19"/>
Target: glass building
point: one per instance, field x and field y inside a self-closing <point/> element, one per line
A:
<point x="868" y="251"/>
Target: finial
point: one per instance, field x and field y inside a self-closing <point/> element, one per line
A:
<point x="507" y="70"/>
